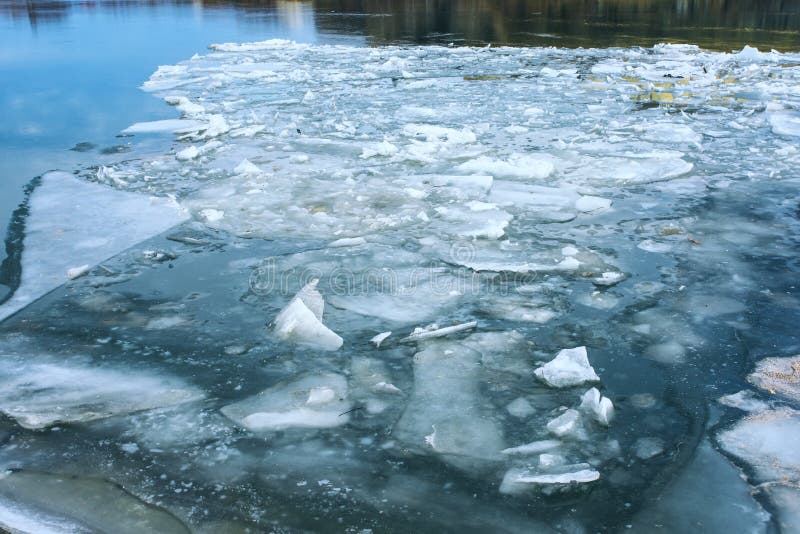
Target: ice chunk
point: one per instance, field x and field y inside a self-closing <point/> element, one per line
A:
<point x="66" y="215"/>
<point x="433" y="331"/>
<point x="518" y="480"/>
<point x="768" y="442"/>
<point x="313" y="401"/>
<point x="348" y="242"/>
<point x="588" y="204"/>
<point x="378" y="339"/>
<point x="40" y="391"/>
<point x="566" y="424"/>
<point x="569" y="368"/>
<point x="520" y="408"/>
<point x="517" y="166"/>
<point x="646" y="448"/>
<point x="744" y="400"/>
<point x="670" y="352"/>
<point x="167" y="125"/>
<point x="301" y="320"/>
<point x="534" y="447"/>
<point x="598" y="406"/>
<point x="188" y="153"/>
<point x="45" y="502"/>
<point x="446" y="413"/>
<point x="77" y="272"/>
<point x="781" y="375"/>
<point x="246" y="167"/>
<point x="785" y="123"/>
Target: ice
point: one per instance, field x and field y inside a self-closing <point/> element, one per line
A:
<point x="670" y="352"/>
<point x="517" y="166"/>
<point x="569" y="368"/>
<point x="446" y="414"/>
<point x="778" y="375"/>
<point x="380" y="338"/>
<point x="43" y="390"/>
<point x="709" y="492"/>
<point x="520" y="408"/>
<point x="767" y="442"/>
<point x="77" y="272"/>
<point x="433" y="331"/>
<point x="188" y="153"/>
<point x="55" y="244"/>
<point x="568" y="424"/>
<point x="48" y="502"/>
<point x="179" y="126"/>
<point x="519" y="480"/>
<point x="348" y="242"/>
<point x="744" y="400"/>
<point x="650" y="447"/>
<point x="535" y="447"/>
<point x="588" y="204"/>
<point x="598" y="406"/>
<point x="301" y="320"/>
<point x="313" y="401"/>
<point x="785" y="123"/>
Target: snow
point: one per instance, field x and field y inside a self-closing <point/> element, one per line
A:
<point x="569" y="368"/>
<point x="62" y="228"/>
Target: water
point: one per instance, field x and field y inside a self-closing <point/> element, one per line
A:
<point x="638" y="201"/>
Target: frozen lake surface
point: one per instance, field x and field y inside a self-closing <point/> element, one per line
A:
<point x="417" y="289"/>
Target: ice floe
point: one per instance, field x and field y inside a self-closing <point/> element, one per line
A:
<point x="41" y="391"/>
<point x="313" y="401"/>
<point x="55" y="244"/>
<point x="569" y="368"/>
<point x="301" y="320"/>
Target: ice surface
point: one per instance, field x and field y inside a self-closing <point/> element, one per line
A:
<point x="508" y="186"/>
<point x="568" y="424"/>
<point x="778" y="375"/>
<point x="598" y="406"/>
<point x="301" y="320"/>
<point x="48" y="502"/>
<point x="39" y="391"/>
<point x="445" y="413"/>
<point x="709" y="492"/>
<point x="569" y="368"/>
<point x="766" y="440"/>
<point x="62" y="231"/>
<point x="517" y="480"/>
<point x="313" y="401"/>
<point x="744" y="400"/>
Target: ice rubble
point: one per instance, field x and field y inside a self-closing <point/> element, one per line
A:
<point x="39" y="391"/>
<point x="569" y="368"/>
<point x="313" y="401"/>
<point x="520" y="480"/>
<point x="301" y="320"/>
<point x="54" y="245"/>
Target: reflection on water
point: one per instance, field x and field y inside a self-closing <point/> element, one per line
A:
<point x="715" y="24"/>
